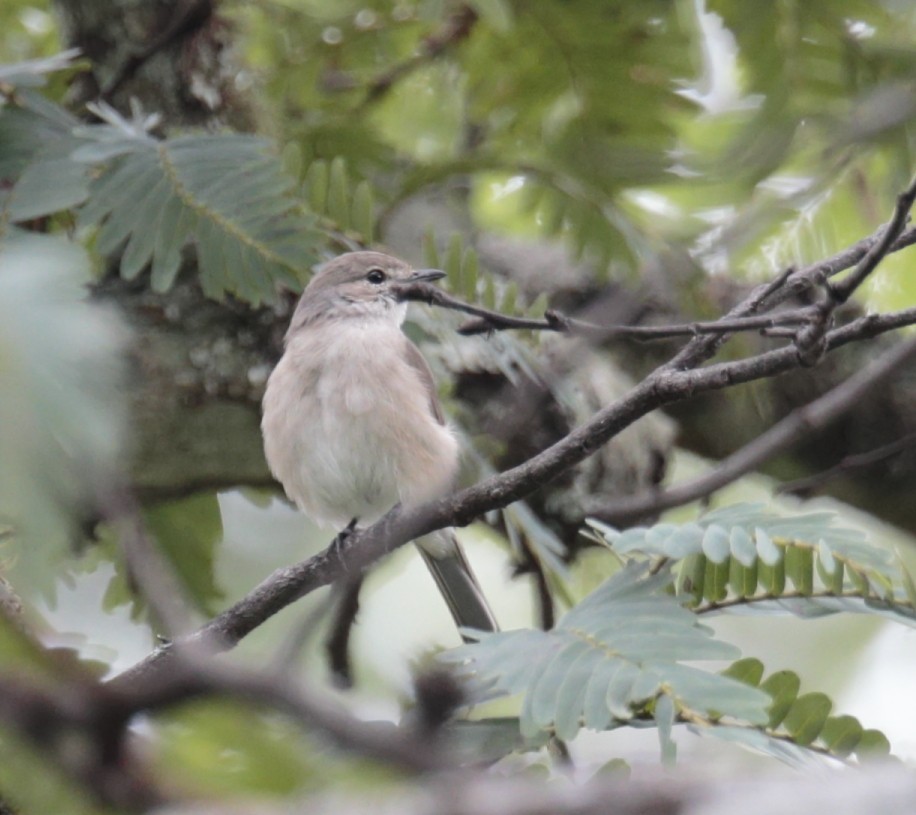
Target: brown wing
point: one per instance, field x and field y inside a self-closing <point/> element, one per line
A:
<point x="421" y="366"/>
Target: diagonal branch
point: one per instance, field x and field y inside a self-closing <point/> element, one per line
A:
<point x="792" y="429"/>
<point x="663" y="386"/>
<point x="806" y="486"/>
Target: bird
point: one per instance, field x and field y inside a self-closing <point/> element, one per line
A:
<point x="351" y="420"/>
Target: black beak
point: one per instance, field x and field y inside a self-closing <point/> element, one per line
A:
<point x="425" y="276"/>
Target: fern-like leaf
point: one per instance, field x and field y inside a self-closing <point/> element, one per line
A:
<point x="795" y="721"/>
<point x="611" y="656"/>
<point x="225" y="192"/>
<point x="749" y="557"/>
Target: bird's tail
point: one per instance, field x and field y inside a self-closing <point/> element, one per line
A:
<point x="459" y="587"/>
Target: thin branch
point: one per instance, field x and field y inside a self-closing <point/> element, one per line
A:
<point x="793" y="428"/>
<point x="791" y="283"/>
<point x="458" y="28"/>
<point x="554" y="320"/>
<point x="557" y="321"/>
<point x="714" y="607"/>
<point x="842" y="291"/>
<point x="808" y="277"/>
<point x="848" y="464"/>
<point x="148" y="568"/>
<point x="871" y="325"/>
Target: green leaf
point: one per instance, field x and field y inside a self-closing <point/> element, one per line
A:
<point x="488" y="740"/>
<point x="759" y="741"/>
<point x="841" y="734"/>
<point x="509" y="302"/>
<point x="226" y="192"/>
<point x="452" y="262"/>
<point x="50" y="183"/>
<point x="742" y="546"/>
<point x="800" y="568"/>
<point x="188" y="531"/>
<point x="469" y="274"/>
<point x="497" y="13"/>
<point x="769" y="552"/>
<point x="430" y="250"/>
<point x="616" y="768"/>
<point x="748" y="548"/>
<point x="807" y="716"/>
<point x="316" y="186"/>
<point x="772" y="578"/>
<point x="606" y="657"/>
<point x="61" y="410"/>
<point x="783" y="687"/>
<point x="223" y="748"/>
<point x="36" y="784"/>
<point x="716" y="545"/>
<point x="748" y="670"/>
<point x="692" y="576"/>
<point x="873" y="744"/>
<point x="742" y="579"/>
<point x="715" y="584"/>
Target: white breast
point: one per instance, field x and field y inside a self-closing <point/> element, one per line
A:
<point x="347" y="425"/>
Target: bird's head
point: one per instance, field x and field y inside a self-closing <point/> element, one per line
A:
<point x="359" y="284"/>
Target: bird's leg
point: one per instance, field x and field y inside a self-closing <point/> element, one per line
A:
<point x="338" y="543"/>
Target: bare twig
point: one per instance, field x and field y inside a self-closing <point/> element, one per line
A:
<point x="806" y="486"/>
<point x="841" y="292"/>
<point x="155" y="578"/>
<point x="291" y="648"/>
<point x="554" y="320"/>
<point x="457" y="28"/>
<point x="791" y="283"/>
<point x="781" y="436"/>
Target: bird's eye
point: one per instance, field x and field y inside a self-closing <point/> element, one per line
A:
<point x="376" y="276"/>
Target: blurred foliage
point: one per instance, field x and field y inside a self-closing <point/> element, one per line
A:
<point x="221" y="748"/>
<point x="621" y="126"/>
<point x="60" y="419"/>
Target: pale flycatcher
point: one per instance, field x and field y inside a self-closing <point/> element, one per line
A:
<point x="352" y="422"/>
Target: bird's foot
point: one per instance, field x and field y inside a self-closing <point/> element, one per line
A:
<point x="337" y="545"/>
